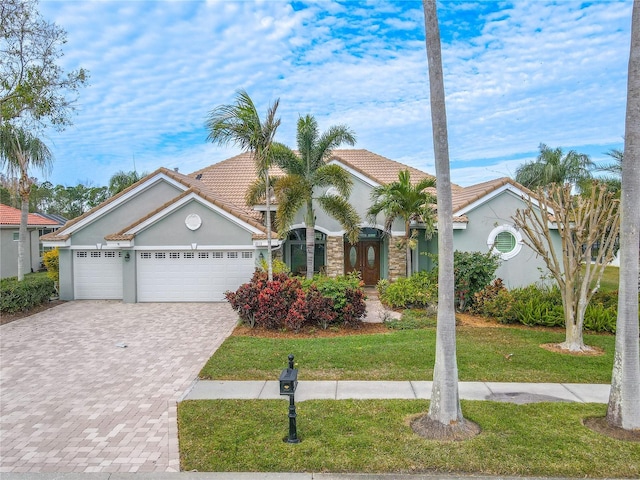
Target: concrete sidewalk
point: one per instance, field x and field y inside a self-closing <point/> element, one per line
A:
<point x="411" y="390"/>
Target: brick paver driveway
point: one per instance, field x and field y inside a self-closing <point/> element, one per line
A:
<point x="73" y="399"/>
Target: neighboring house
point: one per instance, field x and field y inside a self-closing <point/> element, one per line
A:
<point x="37" y="225"/>
<point x="173" y="237"/>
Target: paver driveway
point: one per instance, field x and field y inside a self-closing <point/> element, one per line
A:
<point x="72" y="400"/>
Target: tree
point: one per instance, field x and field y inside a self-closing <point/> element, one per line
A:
<point x="122" y="180"/>
<point x="554" y="166"/>
<point x="583" y="222"/>
<point x="444" y="419"/>
<point x="307" y="173"/>
<point x="20" y="151"/>
<point x="614" y="171"/>
<point x="240" y="124"/>
<point x="33" y="87"/>
<point x="624" y="401"/>
<point x="409" y="202"/>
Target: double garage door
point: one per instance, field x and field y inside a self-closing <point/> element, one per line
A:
<point x="163" y="276"/>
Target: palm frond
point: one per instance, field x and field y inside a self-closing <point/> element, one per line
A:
<point x="335" y="176"/>
<point x="340" y="209"/>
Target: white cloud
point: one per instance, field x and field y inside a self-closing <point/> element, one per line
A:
<point x="515" y="75"/>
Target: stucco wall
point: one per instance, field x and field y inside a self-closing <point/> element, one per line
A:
<point x="215" y="229"/>
<point x="125" y="214"/>
<point x="523" y="269"/>
<point x="9" y="252"/>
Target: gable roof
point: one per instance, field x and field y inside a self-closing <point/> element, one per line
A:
<point x="468" y="196"/>
<point x="11" y="216"/>
<point x="191" y="185"/>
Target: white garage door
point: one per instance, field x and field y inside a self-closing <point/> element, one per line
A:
<point x="97" y="275"/>
<point x="202" y="276"/>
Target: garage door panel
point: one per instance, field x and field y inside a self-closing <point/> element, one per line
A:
<point x="189" y="276"/>
<point x="97" y="275"/>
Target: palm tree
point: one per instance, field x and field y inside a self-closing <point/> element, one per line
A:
<point x="20" y="152"/>
<point x="305" y="175"/>
<point x="614" y="170"/>
<point x="554" y="166"/>
<point x="240" y="124"/>
<point x="624" y="401"/>
<point x="122" y="180"/>
<point x="409" y="202"/>
<point x="444" y="418"/>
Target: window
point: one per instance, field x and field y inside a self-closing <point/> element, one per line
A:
<point x="232" y="254"/>
<point x="16" y="236"/>
<point x="505" y="241"/>
<point x="217" y="254"/>
<point x="174" y="254"/>
<point x="160" y="255"/>
<point x="296" y="251"/>
<point x="247" y="254"/>
<point x="81" y="254"/>
<point x="203" y="254"/>
<point x="145" y="255"/>
<point x="187" y="255"/>
<point x="96" y="254"/>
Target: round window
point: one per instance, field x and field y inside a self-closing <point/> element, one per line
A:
<point x="505" y="241"/>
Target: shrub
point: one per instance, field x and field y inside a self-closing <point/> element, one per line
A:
<point x="487" y="294"/>
<point x="51" y="260"/>
<point x="321" y="309"/>
<point x="287" y="303"/>
<point x="419" y="291"/>
<point x="18" y="296"/>
<point x="473" y="271"/>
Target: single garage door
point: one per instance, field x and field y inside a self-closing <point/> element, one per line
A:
<point x="97" y="275"/>
<point x="202" y="276"/>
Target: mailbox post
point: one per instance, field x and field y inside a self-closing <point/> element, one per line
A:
<point x="288" y="384"/>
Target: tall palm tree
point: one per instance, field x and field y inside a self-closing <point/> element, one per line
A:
<point x="445" y="413"/>
<point x="408" y="202"/>
<point x="122" y="180"/>
<point x="554" y="166"/>
<point x="624" y="400"/>
<point x="21" y="152"/>
<point x="306" y="174"/>
<point x="240" y="124"/>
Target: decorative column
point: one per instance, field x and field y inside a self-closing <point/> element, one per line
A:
<point x="397" y="258"/>
<point x="335" y="256"/>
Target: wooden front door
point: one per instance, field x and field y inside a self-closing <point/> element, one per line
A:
<point x="364" y="257"/>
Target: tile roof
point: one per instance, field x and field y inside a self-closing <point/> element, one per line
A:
<point x="468" y="195"/>
<point x="11" y="216"/>
<point x="231" y="178"/>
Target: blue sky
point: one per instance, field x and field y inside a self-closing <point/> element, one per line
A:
<point x="517" y="74"/>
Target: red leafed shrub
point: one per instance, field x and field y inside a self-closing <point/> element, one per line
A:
<point x="320" y="308"/>
<point x="298" y="312"/>
<point x="286" y="303"/>
<point x="355" y="308"/>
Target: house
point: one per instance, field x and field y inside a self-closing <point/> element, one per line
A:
<point x="37" y="225"/>
<point x="173" y="237"/>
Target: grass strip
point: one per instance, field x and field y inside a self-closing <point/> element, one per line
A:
<point x="409" y="355"/>
<point x="543" y="439"/>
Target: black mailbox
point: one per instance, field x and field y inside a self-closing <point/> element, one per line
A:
<point x="289" y="379"/>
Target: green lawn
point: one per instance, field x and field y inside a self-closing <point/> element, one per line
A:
<point x="545" y="439"/>
<point x="409" y="355"/>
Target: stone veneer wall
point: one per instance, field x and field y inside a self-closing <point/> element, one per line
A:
<point x="397" y="259"/>
<point x="335" y="256"/>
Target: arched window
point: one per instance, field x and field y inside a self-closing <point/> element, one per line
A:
<point x="505" y="241"/>
<point x="296" y="250"/>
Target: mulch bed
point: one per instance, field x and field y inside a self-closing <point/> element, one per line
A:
<point x="310" y="332"/>
<point x="600" y="425"/>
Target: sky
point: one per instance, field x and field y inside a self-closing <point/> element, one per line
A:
<point x="516" y="74"/>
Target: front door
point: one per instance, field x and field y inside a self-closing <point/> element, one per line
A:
<point x="363" y="257"/>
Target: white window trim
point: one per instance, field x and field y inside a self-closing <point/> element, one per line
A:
<point x="498" y="230"/>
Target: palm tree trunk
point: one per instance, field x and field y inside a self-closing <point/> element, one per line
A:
<point x="407" y="235"/>
<point x="624" y="401"/>
<point x="22" y="235"/>
<point x="445" y="402"/>
<point x="310" y="238"/>
<point x="269" y="254"/>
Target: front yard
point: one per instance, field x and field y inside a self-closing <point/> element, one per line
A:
<point x="544" y="439"/>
